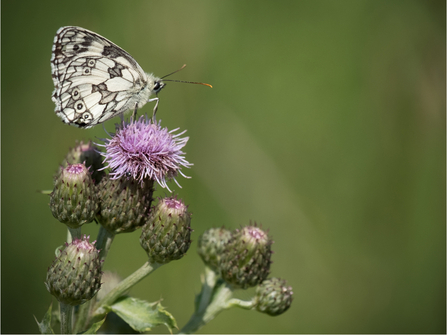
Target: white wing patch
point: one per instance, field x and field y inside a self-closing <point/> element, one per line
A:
<point x="94" y="79"/>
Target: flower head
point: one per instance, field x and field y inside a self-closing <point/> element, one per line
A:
<point x="142" y="149"/>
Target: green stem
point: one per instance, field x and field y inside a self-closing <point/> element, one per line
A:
<point x="75" y="233"/>
<point x="241" y="303"/>
<point x="82" y="318"/>
<point x="122" y="287"/>
<point x="220" y="301"/>
<point x="209" y="281"/>
<point x="104" y="242"/>
<point x="66" y="315"/>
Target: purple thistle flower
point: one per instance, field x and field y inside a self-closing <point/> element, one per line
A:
<point x="143" y="149"/>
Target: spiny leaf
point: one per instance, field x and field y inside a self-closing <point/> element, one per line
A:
<point x="45" y="325"/>
<point x="142" y="315"/>
<point x="94" y="327"/>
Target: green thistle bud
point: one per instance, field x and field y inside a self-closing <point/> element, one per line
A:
<point x="74" y="200"/>
<point x="245" y="261"/>
<point x="211" y="245"/>
<point x="90" y="156"/>
<point x="75" y="275"/>
<point x="166" y="235"/>
<point x="273" y="297"/>
<point x="125" y="203"/>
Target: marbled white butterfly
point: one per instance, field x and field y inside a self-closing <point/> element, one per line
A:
<point x="95" y="80"/>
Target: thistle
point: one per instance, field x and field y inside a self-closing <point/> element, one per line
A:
<point x="75" y="275"/>
<point x="273" y="297"/>
<point x="211" y="245"/>
<point x="144" y="150"/>
<point x="245" y="261"/>
<point x="166" y="235"/>
<point x="74" y="198"/>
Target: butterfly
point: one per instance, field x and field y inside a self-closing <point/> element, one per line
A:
<point x="95" y="80"/>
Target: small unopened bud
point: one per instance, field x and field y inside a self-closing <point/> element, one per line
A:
<point x="88" y="154"/>
<point x="211" y="245"/>
<point x="166" y="235"/>
<point x="125" y="203"/>
<point x="74" y="199"/>
<point x="75" y="275"/>
<point x="273" y="297"/>
<point x="245" y="261"/>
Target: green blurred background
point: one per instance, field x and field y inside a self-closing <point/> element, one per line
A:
<point x="326" y="124"/>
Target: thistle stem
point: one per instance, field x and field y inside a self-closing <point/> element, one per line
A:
<point x="75" y="234"/>
<point x="104" y="242"/>
<point x="220" y="301"/>
<point x="209" y="281"/>
<point x="66" y="315"/>
<point x="122" y="287"/>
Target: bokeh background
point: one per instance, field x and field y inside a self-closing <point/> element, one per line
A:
<point x="326" y="124"/>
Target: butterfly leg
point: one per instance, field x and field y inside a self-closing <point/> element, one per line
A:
<point x="134" y="114"/>
<point x="155" y="108"/>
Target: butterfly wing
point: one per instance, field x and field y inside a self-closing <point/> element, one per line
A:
<point x="94" y="79"/>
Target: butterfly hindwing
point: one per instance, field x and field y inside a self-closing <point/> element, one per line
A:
<point x="94" y="79"/>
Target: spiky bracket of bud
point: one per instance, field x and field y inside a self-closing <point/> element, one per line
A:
<point x="211" y="245"/>
<point x="88" y="154"/>
<point x="74" y="199"/>
<point x="273" y="297"/>
<point x="75" y="276"/>
<point x="245" y="261"/>
<point x="167" y="234"/>
<point x="124" y="203"/>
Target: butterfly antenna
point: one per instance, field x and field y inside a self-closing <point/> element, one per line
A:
<point x="182" y="81"/>
<point x="184" y="65"/>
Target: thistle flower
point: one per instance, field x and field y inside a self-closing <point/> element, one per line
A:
<point x="245" y="261"/>
<point x="74" y="198"/>
<point x="75" y="275"/>
<point x="142" y="149"/>
<point x="166" y="235"/>
<point x="273" y="297"/>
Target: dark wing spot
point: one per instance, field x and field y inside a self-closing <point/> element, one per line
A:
<point x="116" y="71"/>
<point x="110" y="51"/>
<point x="87" y="41"/>
<point x="99" y="88"/>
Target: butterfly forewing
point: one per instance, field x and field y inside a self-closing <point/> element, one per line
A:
<point x="94" y="79"/>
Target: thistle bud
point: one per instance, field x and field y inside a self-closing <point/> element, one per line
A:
<point x="75" y="275"/>
<point x="90" y="156"/>
<point x="166" y="235"/>
<point x="125" y="203"/>
<point x="245" y="261"/>
<point x="273" y="297"/>
<point x="74" y="198"/>
<point x="211" y="245"/>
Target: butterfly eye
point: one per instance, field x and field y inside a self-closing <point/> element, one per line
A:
<point x="158" y="86"/>
<point x="91" y="63"/>
<point x="87" y="71"/>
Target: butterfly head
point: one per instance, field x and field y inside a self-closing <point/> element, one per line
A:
<point x="158" y="85"/>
